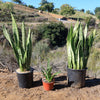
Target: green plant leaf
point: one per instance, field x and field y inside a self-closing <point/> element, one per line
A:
<point x="15" y="31"/>
<point x="23" y="36"/>
<point x="7" y="35"/>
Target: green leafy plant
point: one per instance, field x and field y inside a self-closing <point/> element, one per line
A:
<point x="79" y="46"/>
<point x="47" y="73"/>
<point x="22" y="46"/>
<point x="55" y="32"/>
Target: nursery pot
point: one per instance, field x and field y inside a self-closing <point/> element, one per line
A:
<point x="76" y="78"/>
<point x="48" y="85"/>
<point x="25" y="79"/>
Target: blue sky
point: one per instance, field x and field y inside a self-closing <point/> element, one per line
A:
<point x="78" y="4"/>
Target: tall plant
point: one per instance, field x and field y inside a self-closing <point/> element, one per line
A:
<point x="22" y="46"/>
<point x="79" y="46"/>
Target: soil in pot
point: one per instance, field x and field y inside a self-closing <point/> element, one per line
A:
<point x="48" y="85"/>
<point x="25" y="79"/>
<point x="76" y="78"/>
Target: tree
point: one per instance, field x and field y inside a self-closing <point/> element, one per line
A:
<point x="82" y="10"/>
<point x="67" y="10"/>
<point x="46" y="6"/>
<point x="97" y="9"/>
<point x="17" y="1"/>
<point x="31" y="6"/>
<point x="43" y="2"/>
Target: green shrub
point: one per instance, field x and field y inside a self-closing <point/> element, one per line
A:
<point x="55" y="32"/>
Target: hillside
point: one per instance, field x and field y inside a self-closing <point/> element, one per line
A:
<point x="33" y="15"/>
<point x="33" y="18"/>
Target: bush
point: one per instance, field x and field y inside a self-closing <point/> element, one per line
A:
<point x="55" y="32"/>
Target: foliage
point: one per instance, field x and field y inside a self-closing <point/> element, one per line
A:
<point x="56" y="11"/>
<point x="43" y="2"/>
<point x="90" y="21"/>
<point x="55" y="32"/>
<point x="22" y="46"/>
<point x="17" y="1"/>
<point x="47" y="7"/>
<point x="89" y="12"/>
<point x="79" y="46"/>
<point x="31" y="6"/>
<point x="97" y="9"/>
<point x="82" y="10"/>
<point x="47" y="73"/>
<point x="67" y="10"/>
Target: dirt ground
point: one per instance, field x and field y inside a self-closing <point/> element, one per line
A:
<point x="9" y="89"/>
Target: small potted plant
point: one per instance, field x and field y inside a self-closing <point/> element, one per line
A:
<point x="78" y="50"/>
<point x="48" y="77"/>
<point x="22" y="47"/>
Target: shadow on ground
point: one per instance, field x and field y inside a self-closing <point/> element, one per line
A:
<point x="92" y="82"/>
<point x="60" y="82"/>
<point x="37" y="83"/>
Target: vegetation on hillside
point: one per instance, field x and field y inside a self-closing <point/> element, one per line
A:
<point x="55" y="32"/>
<point x="46" y="6"/>
<point x="67" y="10"/>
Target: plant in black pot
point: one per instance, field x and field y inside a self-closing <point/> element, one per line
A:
<point x="78" y="50"/>
<point x="48" y="77"/>
<point x="22" y="47"/>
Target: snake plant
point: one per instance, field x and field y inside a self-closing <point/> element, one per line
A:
<point x="21" y="44"/>
<point x="79" y="46"/>
<point x="47" y="73"/>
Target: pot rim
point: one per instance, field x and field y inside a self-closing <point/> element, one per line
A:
<point x="76" y="69"/>
<point x="24" y="72"/>
<point x="43" y="80"/>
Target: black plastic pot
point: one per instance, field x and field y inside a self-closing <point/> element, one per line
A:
<point x="76" y="78"/>
<point x="25" y="79"/>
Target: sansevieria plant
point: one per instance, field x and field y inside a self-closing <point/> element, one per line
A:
<point x="21" y="44"/>
<point x="79" y="46"/>
<point x="47" y="73"/>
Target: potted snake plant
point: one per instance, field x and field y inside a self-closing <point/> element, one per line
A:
<point x="22" y="47"/>
<point x="48" y="77"/>
<point x="78" y="49"/>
